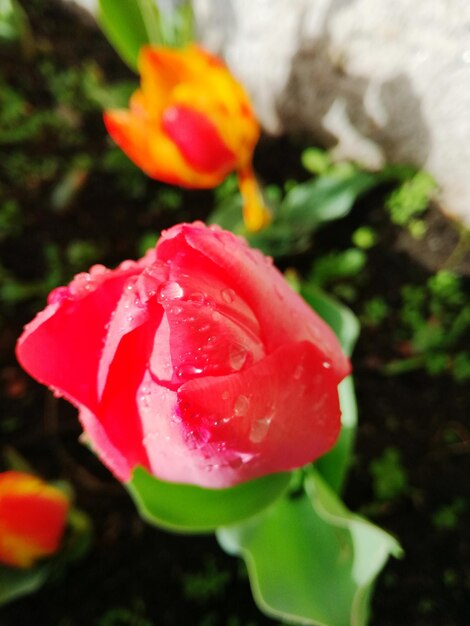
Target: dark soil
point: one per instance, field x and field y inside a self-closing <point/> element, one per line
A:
<point x="133" y="573"/>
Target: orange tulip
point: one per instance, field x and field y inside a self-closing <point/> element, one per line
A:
<point x="191" y="124"/>
<point x="32" y="519"/>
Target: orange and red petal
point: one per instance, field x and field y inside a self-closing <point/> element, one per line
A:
<point x="256" y="214"/>
<point x="32" y="519"/>
<point x="198" y="140"/>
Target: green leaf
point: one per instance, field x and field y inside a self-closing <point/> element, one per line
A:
<point x="14" y="26"/>
<point x="334" y="465"/>
<point x="15" y="583"/>
<point x="326" y="198"/>
<point x="309" y="559"/>
<point x="191" y="509"/>
<point x="341" y="319"/>
<point x="129" y="24"/>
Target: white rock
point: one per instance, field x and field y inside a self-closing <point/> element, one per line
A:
<point x="379" y="80"/>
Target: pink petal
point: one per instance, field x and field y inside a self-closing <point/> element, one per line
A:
<point x="118" y="414"/>
<point x="172" y="453"/>
<point x="136" y="305"/>
<point x="62" y="346"/>
<point x="277" y="415"/>
<point x="283" y="316"/>
<point x="102" y="446"/>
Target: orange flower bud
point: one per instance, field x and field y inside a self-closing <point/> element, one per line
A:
<point x="190" y="124"/>
<point x="32" y="519"/>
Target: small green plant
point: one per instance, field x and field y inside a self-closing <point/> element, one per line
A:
<point x="207" y="584"/>
<point x="435" y="324"/>
<point x="337" y="266"/>
<point x="407" y="203"/>
<point x="364" y="237"/>
<point x="447" y="517"/>
<point x="374" y="312"/>
<point x="389" y="475"/>
<point x="10" y="219"/>
<point x="123" y="617"/>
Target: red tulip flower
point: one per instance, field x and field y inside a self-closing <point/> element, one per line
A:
<point x="33" y="516"/>
<point x="197" y="362"/>
<point x="191" y="124"/>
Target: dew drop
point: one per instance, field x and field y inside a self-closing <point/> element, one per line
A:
<point x="278" y="292"/>
<point x="58" y="295"/>
<point x="151" y="437"/>
<point x="225" y="395"/>
<point x="228" y="295"/>
<point x="170" y="291"/>
<point x="127" y="265"/>
<point x="237" y="356"/>
<point x="187" y="371"/>
<point x="197" y="438"/>
<point x="260" y="428"/>
<point x="241" y="405"/>
<point x="98" y="269"/>
<point x="326" y="365"/>
<point x="299" y="370"/>
<point x="175" y="310"/>
<point x="197" y="298"/>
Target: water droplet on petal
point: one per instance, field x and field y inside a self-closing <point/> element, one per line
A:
<point x="170" y="291"/>
<point x="260" y="428"/>
<point x="225" y="395"/>
<point x="187" y="370"/>
<point x="228" y="295"/>
<point x="197" y="298"/>
<point x="98" y="269"/>
<point x="299" y="370"/>
<point x="278" y="292"/>
<point x="237" y="356"/>
<point x="241" y="406"/>
<point x="58" y="295"/>
<point x="197" y="438"/>
<point x="326" y="365"/>
<point x="127" y="265"/>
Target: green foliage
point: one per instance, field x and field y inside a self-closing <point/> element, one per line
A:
<point x="207" y="584"/>
<point x="337" y="266"/>
<point x="364" y="237"/>
<point x="147" y="241"/>
<point x="10" y="219"/>
<point x="435" y="323"/>
<point x="316" y="161"/>
<point x="389" y="475"/>
<point x="302" y="548"/>
<point x="15" y="583"/>
<point x="191" y="509"/>
<point x="299" y="211"/>
<point x="448" y="517"/>
<point x="374" y="312"/>
<point x="131" y="24"/>
<point x="14" y="26"/>
<point x="410" y="200"/>
<point x="123" y="617"/>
